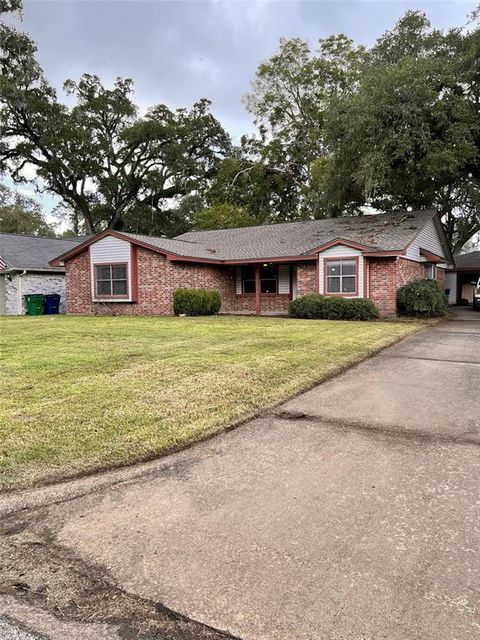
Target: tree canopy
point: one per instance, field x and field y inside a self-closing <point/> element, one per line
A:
<point x="100" y="156"/>
<point x="339" y="128"/>
<point x="391" y="127"/>
<point x="21" y="214"/>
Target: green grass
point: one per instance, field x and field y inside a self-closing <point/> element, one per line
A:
<point x="82" y="394"/>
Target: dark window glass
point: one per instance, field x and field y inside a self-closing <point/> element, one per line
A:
<point x="348" y="284"/>
<point x="119" y="287"/>
<point x="341" y="276"/>
<point x="248" y="275"/>
<point x="104" y="288"/>
<point x="249" y="286"/>
<point x="111" y="280"/>
<point x="333" y="284"/>
<point x="103" y="273"/>
<point x="119" y="272"/>
<point x="268" y="279"/>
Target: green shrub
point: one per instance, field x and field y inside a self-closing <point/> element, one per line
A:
<point x="333" y="308"/>
<point x="309" y="306"/>
<point x="421" y="299"/>
<point x="196" y="302"/>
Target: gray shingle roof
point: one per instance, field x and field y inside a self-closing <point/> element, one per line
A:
<point x="382" y="232"/>
<point x="33" y="252"/>
<point x="187" y="248"/>
<point x="468" y="261"/>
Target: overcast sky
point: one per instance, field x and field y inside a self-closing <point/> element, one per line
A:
<point x="178" y="51"/>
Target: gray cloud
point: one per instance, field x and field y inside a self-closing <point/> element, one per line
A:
<point x="179" y="51"/>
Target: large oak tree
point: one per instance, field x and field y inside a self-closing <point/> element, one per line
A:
<point x="100" y="157"/>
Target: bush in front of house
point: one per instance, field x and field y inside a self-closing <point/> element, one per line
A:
<point x="421" y="299"/>
<point x="196" y="302"/>
<point x="315" y="306"/>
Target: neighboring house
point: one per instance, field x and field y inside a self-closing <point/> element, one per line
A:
<point x="24" y="268"/>
<point x="459" y="279"/>
<point x="257" y="269"/>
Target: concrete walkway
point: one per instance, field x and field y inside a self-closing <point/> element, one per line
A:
<point x="351" y="514"/>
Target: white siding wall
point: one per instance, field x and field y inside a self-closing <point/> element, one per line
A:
<point x="427" y="239"/>
<point x="109" y="250"/>
<point x="451" y="283"/>
<point x="341" y="251"/>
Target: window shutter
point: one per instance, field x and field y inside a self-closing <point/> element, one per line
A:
<point x="238" y="280"/>
<point x="284" y="278"/>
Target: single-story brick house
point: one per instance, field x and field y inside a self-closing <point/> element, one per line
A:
<point x="257" y="269"/>
<point x="25" y="268"/>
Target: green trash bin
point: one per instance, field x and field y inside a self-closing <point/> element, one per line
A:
<point x="34" y="302"/>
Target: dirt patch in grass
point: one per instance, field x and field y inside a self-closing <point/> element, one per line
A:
<point x="38" y="572"/>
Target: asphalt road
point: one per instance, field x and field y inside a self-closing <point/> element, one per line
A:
<point x="10" y="631"/>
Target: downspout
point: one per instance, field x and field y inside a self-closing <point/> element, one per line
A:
<point x="19" y="299"/>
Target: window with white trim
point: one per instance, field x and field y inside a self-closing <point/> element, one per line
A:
<point x="341" y="276"/>
<point x="111" y="280"/>
<point x="431" y="271"/>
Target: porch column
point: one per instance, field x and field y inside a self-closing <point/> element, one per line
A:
<point x="257" y="289"/>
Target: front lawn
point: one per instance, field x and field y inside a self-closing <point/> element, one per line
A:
<point x="79" y="394"/>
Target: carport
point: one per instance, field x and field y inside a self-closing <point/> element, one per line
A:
<point x="459" y="279"/>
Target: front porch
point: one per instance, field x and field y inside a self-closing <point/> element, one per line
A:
<point x="265" y="288"/>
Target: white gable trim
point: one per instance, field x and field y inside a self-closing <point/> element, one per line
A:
<point x="110" y="250"/>
<point x="341" y="251"/>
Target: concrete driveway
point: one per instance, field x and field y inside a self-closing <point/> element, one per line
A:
<point x="351" y="513"/>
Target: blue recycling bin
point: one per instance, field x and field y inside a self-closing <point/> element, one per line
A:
<point x="52" y="303"/>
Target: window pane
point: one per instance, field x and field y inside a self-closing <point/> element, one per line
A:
<point x="248" y="273"/>
<point x="103" y="288"/>
<point x="333" y="285"/>
<point x="268" y="286"/>
<point x="119" y="287"/>
<point x="249" y="286"/>
<point x="348" y="284"/>
<point x="349" y="267"/>
<point x="333" y="268"/>
<point x="268" y="273"/>
<point x="119" y="272"/>
<point x="103" y="273"/>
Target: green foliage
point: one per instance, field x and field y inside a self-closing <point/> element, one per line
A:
<point x="390" y="127"/>
<point x="222" y="216"/>
<point x="421" y="299"/>
<point x="196" y="302"/>
<point x="410" y="133"/>
<point x="99" y="156"/>
<point x="315" y="306"/>
<point x="20" y="214"/>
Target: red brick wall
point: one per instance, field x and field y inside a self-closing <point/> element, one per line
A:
<point x="382" y="278"/>
<point x="77" y="283"/>
<point x="307" y="277"/>
<point x="408" y="270"/>
<point x="441" y="278"/>
<point x="387" y="275"/>
<point x="157" y="280"/>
